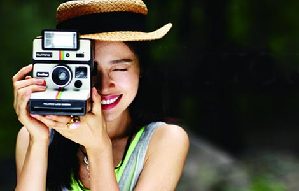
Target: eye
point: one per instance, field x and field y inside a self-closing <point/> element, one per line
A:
<point x="120" y="69"/>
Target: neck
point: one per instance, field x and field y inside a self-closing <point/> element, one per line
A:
<point x="120" y="127"/>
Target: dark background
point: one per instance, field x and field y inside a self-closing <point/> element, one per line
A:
<point x="230" y="67"/>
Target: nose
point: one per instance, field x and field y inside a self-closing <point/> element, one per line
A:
<point x="104" y="83"/>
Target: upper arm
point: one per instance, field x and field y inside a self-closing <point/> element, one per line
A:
<point x="21" y="148"/>
<point x="165" y="159"/>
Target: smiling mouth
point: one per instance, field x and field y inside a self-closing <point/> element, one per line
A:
<point x="109" y="103"/>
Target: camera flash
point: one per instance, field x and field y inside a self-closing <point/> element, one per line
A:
<point x="65" y="40"/>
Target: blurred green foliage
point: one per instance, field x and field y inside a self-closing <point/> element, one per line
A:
<point x="262" y="184"/>
<point x="21" y="22"/>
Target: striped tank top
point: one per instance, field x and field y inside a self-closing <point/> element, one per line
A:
<point x="128" y="174"/>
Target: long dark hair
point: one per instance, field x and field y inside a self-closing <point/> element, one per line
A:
<point x="146" y="107"/>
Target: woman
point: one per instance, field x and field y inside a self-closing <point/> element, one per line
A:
<point x="112" y="147"/>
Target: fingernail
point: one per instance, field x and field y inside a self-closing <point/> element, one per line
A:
<point x="43" y="87"/>
<point x="34" y="116"/>
<point x="74" y="125"/>
<point x="41" y="82"/>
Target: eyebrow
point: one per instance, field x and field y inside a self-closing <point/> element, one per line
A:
<point x="118" y="61"/>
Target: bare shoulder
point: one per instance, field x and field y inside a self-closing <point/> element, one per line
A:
<point x="170" y="138"/>
<point x="171" y="133"/>
<point x="166" y="154"/>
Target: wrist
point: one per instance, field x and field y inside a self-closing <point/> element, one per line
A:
<point x="101" y="144"/>
<point x="98" y="156"/>
<point x="42" y="141"/>
<point x="99" y="148"/>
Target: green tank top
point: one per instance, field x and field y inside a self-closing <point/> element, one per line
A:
<point x="128" y="173"/>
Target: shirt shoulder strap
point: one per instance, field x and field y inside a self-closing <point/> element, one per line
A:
<point x="134" y="166"/>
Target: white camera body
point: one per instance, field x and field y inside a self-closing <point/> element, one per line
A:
<point x="67" y="73"/>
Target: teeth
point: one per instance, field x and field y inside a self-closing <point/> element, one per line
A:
<point x="109" y="101"/>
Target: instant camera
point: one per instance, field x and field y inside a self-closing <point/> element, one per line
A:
<point x="66" y="62"/>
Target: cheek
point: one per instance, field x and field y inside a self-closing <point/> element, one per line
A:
<point x="129" y="84"/>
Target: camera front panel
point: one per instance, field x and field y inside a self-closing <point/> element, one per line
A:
<point x="70" y="77"/>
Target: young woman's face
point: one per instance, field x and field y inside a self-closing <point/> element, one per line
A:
<point x="118" y="77"/>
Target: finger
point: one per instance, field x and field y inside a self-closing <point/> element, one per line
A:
<point x="61" y="119"/>
<point x="89" y="104"/>
<point x="33" y="88"/>
<point x="37" y="88"/>
<point x="67" y="133"/>
<point x="62" y="126"/>
<point x="96" y="105"/>
<point x="21" y="73"/>
<point x="18" y="94"/>
<point x="32" y="81"/>
<point x="21" y="94"/>
<point x="74" y="125"/>
<point x="27" y="77"/>
<point x="22" y="106"/>
<point x="50" y="123"/>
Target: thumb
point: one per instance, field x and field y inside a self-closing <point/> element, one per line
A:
<point x="96" y="99"/>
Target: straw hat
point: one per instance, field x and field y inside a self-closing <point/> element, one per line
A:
<point x="108" y="20"/>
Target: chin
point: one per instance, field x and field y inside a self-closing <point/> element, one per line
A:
<point x="111" y="115"/>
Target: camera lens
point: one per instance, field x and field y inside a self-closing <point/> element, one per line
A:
<point x="61" y="75"/>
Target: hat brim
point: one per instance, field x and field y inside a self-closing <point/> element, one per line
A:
<point x="129" y="35"/>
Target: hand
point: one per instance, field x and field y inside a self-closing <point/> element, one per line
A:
<point x="23" y="86"/>
<point x="90" y="132"/>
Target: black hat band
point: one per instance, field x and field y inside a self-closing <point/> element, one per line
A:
<point x="105" y="22"/>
